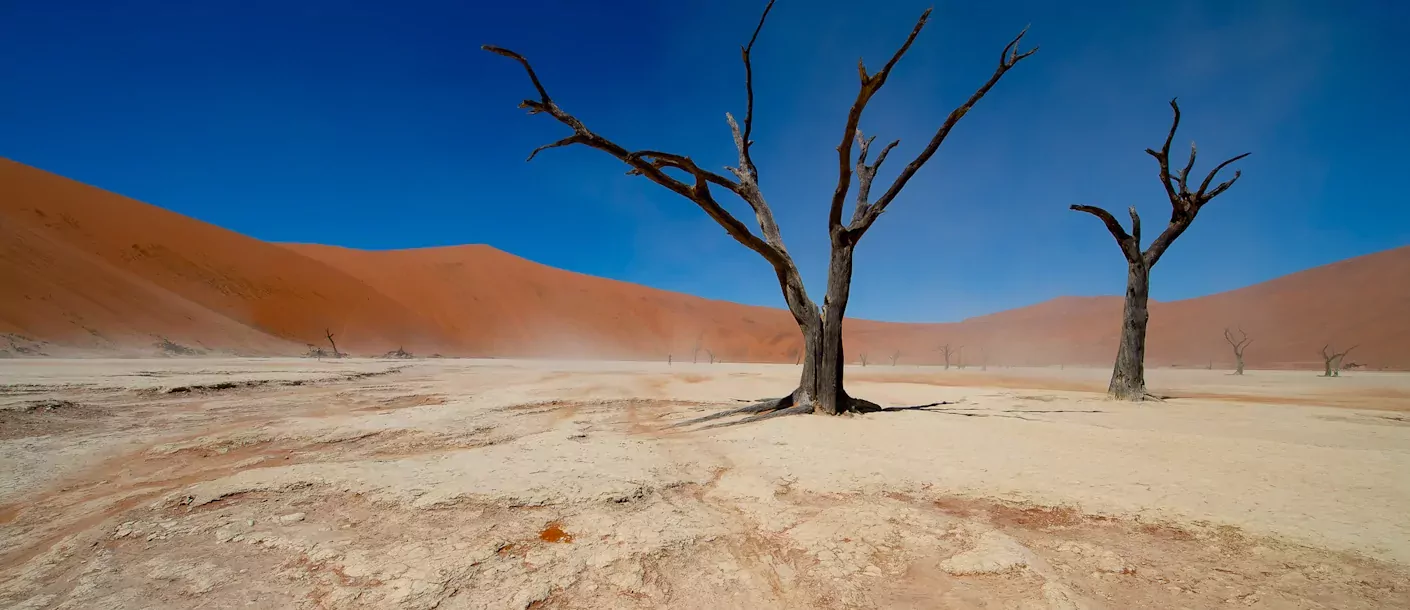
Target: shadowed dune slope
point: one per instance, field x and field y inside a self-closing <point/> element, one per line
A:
<point x="86" y="268"/>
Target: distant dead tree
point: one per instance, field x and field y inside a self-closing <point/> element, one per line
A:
<point x="1239" y="346"/>
<point x="399" y="353"/>
<point x="329" y="334"/>
<point x="896" y="355"/>
<point x="1128" y="377"/>
<point x="711" y="354"/>
<point x="947" y="352"/>
<point x="820" y="388"/>
<point x="983" y="359"/>
<point x="1331" y="361"/>
<point x="959" y="357"/>
<point x="315" y="352"/>
<point x="695" y="352"/>
<point x="668" y="359"/>
<point x="864" y="358"/>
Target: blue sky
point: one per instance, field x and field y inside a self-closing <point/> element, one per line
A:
<point x="382" y="125"/>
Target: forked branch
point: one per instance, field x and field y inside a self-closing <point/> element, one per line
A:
<point x="1184" y="205"/>
<point x="649" y="163"/>
<point x="1007" y="60"/>
<point x="1240" y="343"/>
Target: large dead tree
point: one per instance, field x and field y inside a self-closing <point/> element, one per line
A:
<point x="1128" y="377"/>
<point x="1239" y="346"/>
<point x="896" y="355"/>
<point x="820" y="390"/>
<point x="1331" y="360"/>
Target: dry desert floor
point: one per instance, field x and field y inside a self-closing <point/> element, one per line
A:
<point x="287" y="483"/>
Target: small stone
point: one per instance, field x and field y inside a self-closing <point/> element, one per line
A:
<point x="250" y="522"/>
<point x="291" y="518"/>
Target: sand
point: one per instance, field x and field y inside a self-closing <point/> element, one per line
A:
<point x="86" y="271"/>
<point x="291" y="483"/>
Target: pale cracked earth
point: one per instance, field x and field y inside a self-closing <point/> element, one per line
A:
<point x="202" y="483"/>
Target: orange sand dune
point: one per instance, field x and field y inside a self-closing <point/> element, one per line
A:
<point x="85" y="268"/>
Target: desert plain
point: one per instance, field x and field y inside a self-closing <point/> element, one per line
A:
<point x="458" y="483"/>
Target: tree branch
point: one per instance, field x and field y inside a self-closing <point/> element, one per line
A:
<point x="1128" y="244"/>
<point x="746" y="162"/>
<point x="1135" y="226"/>
<point x="1204" y="198"/>
<point x="1163" y="157"/>
<point x="1007" y="60"/>
<point x="652" y="164"/>
<point x="865" y="173"/>
<point x="870" y="85"/>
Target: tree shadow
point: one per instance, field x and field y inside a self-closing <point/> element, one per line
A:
<point x="974" y="412"/>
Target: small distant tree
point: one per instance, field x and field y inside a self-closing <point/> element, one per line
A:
<point x="668" y="359"/>
<point x="329" y="334"/>
<point x="695" y="353"/>
<point x="948" y="352"/>
<point x="399" y="353"/>
<point x="983" y="359"/>
<point x="1128" y="376"/>
<point x="896" y="355"/>
<point x="711" y="354"/>
<point x="1331" y="360"/>
<point x="959" y="357"/>
<point x="864" y="358"/>
<point x="1239" y="345"/>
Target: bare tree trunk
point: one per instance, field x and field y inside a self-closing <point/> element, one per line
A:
<point x="831" y="398"/>
<point x="1128" y="377"/>
<point x="329" y="333"/>
<point x="1239" y="364"/>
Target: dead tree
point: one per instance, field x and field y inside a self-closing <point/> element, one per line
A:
<point x="947" y="352"/>
<point x="820" y="389"/>
<point x="864" y="359"/>
<point x="959" y="357"/>
<point x="400" y="353"/>
<point x="329" y="334"/>
<point x="1331" y="361"/>
<point x="695" y="352"/>
<point x="1128" y="377"/>
<point x="1239" y="346"/>
<point x="896" y="355"/>
<point x="983" y="359"/>
<point x="711" y="354"/>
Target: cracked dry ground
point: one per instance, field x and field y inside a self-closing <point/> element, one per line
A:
<point x="449" y="485"/>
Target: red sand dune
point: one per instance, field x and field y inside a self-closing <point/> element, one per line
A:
<point x="88" y="269"/>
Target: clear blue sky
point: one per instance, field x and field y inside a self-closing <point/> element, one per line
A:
<point x="382" y="125"/>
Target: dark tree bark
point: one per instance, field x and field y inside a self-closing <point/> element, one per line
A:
<point x="1128" y="376"/>
<point x="820" y="388"/>
<point x="1331" y="361"/>
<point x="329" y="334"/>
<point x="1239" y="346"/>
